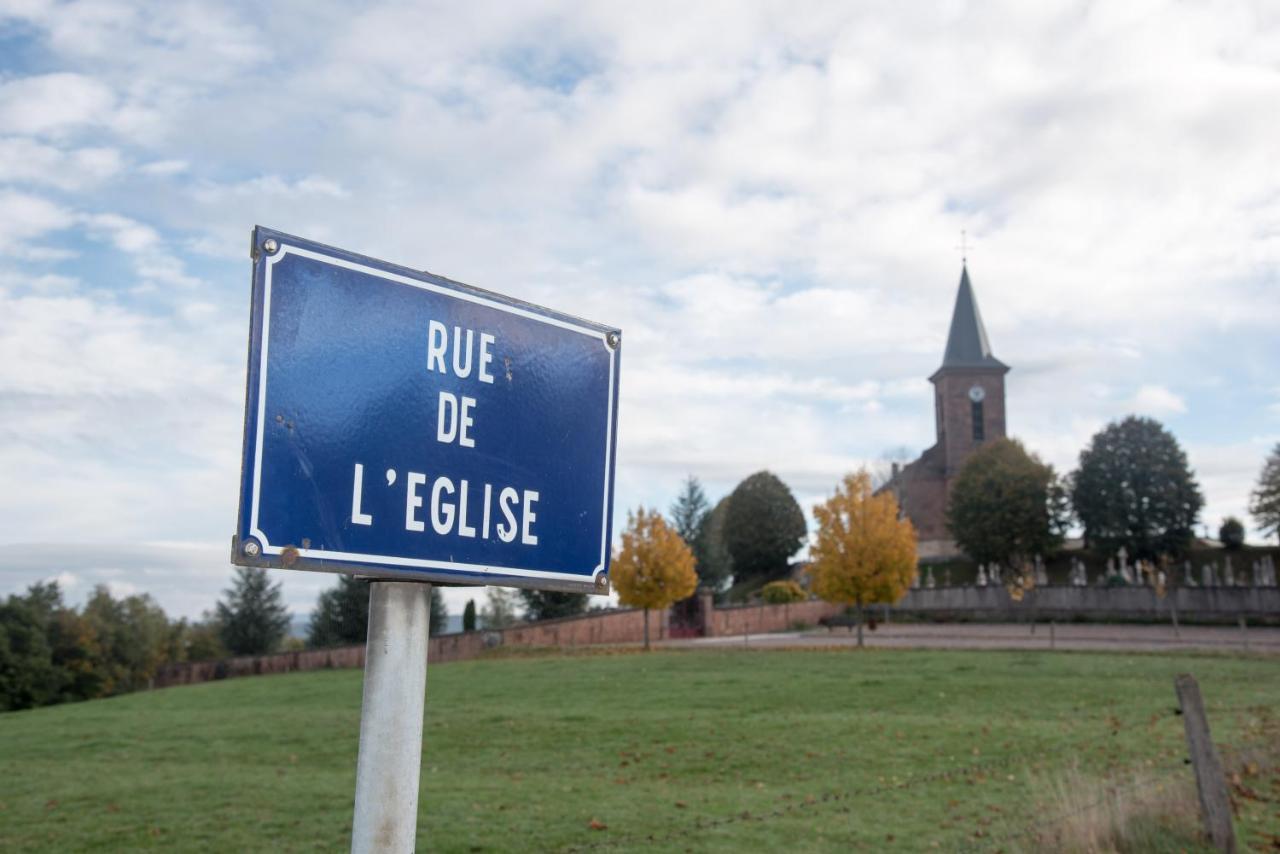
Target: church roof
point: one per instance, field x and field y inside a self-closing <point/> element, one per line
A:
<point x="967" y="345"/>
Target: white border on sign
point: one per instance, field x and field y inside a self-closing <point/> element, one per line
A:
<point x="353" y="557"/>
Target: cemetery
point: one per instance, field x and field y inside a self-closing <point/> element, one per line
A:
<point x="1212" y="591"/>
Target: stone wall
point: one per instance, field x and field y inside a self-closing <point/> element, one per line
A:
<point x="1204" y="604"/>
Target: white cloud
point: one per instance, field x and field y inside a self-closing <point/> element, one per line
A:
<point x="164" y="168"/>
<point x="67" y="581"/>
<point x="26" y="161"/>
<point x="48" y="284"/>
<point x="53" y="103"/>
<point x="1157" y="400"/>
<point x="127" y="234"/>
<point x="156" y="266"/>
<point x="25" y="218"/>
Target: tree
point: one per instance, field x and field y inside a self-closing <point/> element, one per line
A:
<point x="863" y="554"/>
<point x="500" y="611"/>
<point x="1231" y="534"/>
<point x="688" y="511"/>
<point x="783" y="593"/>
<point x="654" y="567"/>
<point x="50" y="653"/>
<point x="469" y="616"/>
<point x="203" y="639"/>
<point x="439" y="615"/>
<point x="1264" y="502"/>
<point x="763" y="528"/>
<point x="28" y="675"/>
<point x="132" y="636"/>
<point x="1004" y="505"/>
<point x="341" y="615"/>
<point x="252" y="615"/>
<point x="551" y="604"/>
<point x="1134" y="489"/>
<point x="713" y="562"/>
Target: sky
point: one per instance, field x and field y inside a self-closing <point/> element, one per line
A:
<point x="767" y="198"/>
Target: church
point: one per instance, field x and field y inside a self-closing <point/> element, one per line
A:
<point x="968" y="405"/>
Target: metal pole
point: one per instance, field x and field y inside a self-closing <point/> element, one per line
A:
<point x="395" y="683"/>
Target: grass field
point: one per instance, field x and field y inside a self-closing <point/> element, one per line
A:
<point x="701" y="751"/>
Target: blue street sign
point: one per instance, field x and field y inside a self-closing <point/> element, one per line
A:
<point x="400" y="424"/>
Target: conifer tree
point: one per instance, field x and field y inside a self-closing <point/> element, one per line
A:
<point x="439" y="614"/>
<point x="1264" y="503"/>
<point x="252" y="616"/>
<point x="341" y="615"/>
<point x="688" y="510"/>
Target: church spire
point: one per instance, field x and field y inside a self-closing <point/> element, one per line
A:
<point x="967" y="345"/>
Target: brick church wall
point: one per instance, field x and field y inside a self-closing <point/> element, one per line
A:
<point x="957" y="414"/>
<point x="924" y="498"/>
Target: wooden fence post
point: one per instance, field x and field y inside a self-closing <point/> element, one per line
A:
<point x="1215" y="807"/>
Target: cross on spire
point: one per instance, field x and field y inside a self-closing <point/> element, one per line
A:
<point x="964" y="246"/>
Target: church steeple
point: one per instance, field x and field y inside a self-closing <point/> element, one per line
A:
<point x="967" y="345"/>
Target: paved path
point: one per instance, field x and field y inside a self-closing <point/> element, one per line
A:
<point x="1077" y="636"/>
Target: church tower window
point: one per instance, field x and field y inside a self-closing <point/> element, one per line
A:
<point x="979" y="429"/>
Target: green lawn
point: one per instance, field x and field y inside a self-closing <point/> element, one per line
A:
<point x="703" y="751"/>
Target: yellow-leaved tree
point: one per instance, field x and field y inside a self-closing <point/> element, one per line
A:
<point x="864" y="554"/>
<point x="654" y="567"/>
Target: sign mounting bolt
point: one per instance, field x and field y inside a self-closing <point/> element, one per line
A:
<point x="251" y="548"/>
<point x="613" y="340"/>
<point x="270" y="246"/>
